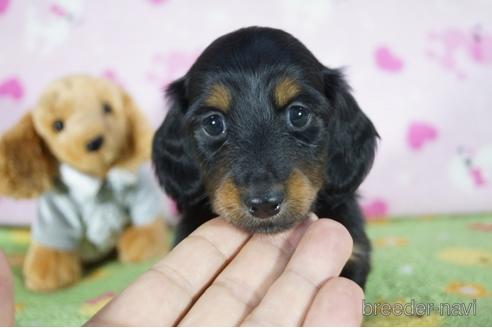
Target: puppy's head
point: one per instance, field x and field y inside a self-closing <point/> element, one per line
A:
<point x="88" y="123"/>
<point x="259" y="127"/>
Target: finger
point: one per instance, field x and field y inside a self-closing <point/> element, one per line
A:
<point x="163" y="294"/>
<point x="321" y="254"/>
<point x="338" y="303"/>
<point x="240" y="287"/>
<point x="6" y="293"/>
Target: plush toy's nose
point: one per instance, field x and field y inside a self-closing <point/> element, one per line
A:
<point x="95" y="144"/>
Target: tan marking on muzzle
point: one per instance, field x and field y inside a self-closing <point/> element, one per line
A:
<point x="300" y="192"/>
<point x="227" y="200"/>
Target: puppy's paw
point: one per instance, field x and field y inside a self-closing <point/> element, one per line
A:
<point x="142" y="242"/>
<point x="47" y="268"/>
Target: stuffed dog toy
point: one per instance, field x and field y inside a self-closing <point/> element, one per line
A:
<point x="261" y="133"/>
<point x="80" y="149"/>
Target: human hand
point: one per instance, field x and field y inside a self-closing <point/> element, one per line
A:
<point x="222" y="276"/>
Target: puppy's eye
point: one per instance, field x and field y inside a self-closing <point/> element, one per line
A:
<point x="58" y="125"/>
<point x="298" y="116"/>
<point x="214" y="125"/>
<point x="107" y="109"/>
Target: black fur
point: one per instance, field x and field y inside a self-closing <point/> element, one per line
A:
<point x="259" y="150"/>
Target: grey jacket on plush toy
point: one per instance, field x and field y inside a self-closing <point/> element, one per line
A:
<point x="86" y="213"/>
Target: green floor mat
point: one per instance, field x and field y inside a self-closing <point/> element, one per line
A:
<point x="442" y="265"/>
<point x="438" y="270"/>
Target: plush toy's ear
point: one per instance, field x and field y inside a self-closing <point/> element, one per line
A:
<point x="139" y="136"/>
<point x="27" y="167"/>
<point x="352" y="136"/>
<point x="175" y="168"/>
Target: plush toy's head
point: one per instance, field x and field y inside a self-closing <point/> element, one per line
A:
<point x="88" y="123"/>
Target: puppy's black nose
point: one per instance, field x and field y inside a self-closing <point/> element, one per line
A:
<point x="95" y="144"/>
<point x="265" y="206"/>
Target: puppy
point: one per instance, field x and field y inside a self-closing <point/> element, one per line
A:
<point x="261" y="133"/>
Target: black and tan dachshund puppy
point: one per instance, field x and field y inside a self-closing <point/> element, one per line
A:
<point x="261" y="133"/>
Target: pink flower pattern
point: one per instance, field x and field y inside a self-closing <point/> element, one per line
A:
<point x="424" y="83"/>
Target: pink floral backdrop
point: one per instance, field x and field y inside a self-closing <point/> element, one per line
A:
<point x="422" y="70"/>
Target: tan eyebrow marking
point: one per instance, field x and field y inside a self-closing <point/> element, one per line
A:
<point x="219" y="97"/>
<point x="285" y="90"/>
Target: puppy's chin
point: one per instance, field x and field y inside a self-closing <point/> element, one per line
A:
<point x="271" y="225"/>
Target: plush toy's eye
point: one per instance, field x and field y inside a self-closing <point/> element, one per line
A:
<point x="58" y="125"/>
<point x="298" y="116"/>
<point x="107" y="108"/>
<point x="214" y="125"/>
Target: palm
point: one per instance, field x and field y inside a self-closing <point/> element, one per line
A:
<point x="222" y="276"/>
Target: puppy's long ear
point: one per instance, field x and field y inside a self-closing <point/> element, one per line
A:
<point x="27" y="167"/>
<point x="139" y="136"/>
<point x="176" y="170"/>
<point x="352" y="137"/>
